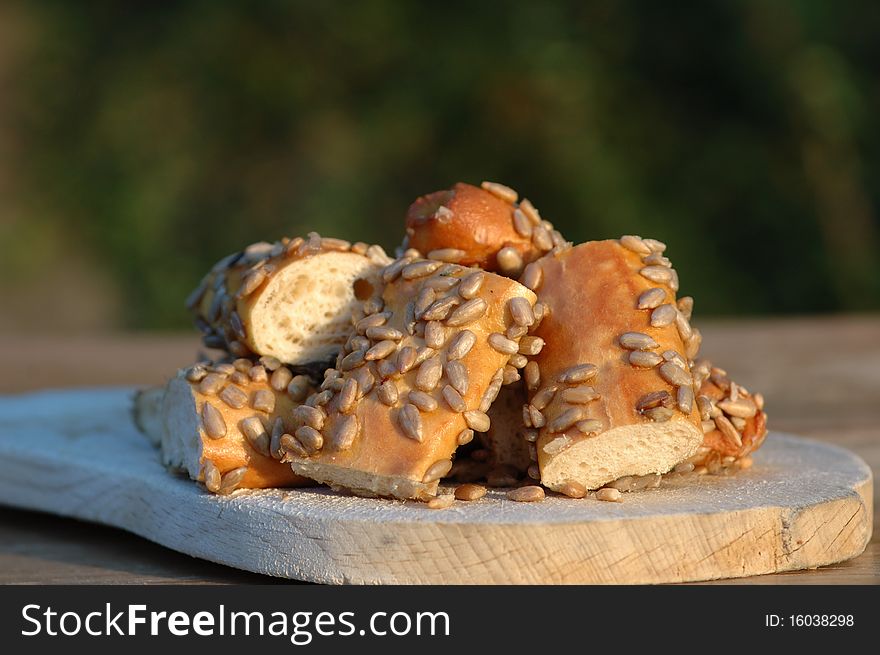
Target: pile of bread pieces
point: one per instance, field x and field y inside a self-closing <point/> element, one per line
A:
<point x="491" y="352"/>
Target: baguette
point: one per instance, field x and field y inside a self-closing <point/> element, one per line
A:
<point x="415" y="380"/>
<point x="291" y="300"/>
<point x="224" y="425"/>
<point x="611" y="393"/>
<point x="484" y="227"/>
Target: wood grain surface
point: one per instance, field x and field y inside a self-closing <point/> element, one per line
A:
<point x="821" y="378"/>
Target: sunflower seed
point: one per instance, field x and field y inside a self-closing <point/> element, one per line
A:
<point x="532" y="276"/>
<point x="231" y="479"/>
<point x="263" y="401"/>
<point x="352" y="360"/>
<point x="251" y="282"/>
<point x="214" y="341"/>
<point x="469" y="312"/>
<point x="429" y="374"/>
<point x="644" y="358"/>
<point x="443" y="501"/>
<point x="212" y="420"/>
<point x="651" y="298"/>
<point x="502" y="344"/>
<point x="447" y="255"/>
<point x="673" y="281"/>
<point x="392" y="271"/>
<point x="410" y="422"/>
<point x="440" y="309"/>
<point x="541" y="238"/>
<point x="419" y="269"/>
<point x="501" y="191"/>
<point x="659" y="274"/>
<point x="461" y="345"/>
<point x="491" y="392"/>
<point x="234" y="397"/>
<point x="242" y="364"/>
<point x="239" y="378"/>
<point x="345" y="432"/>
<point x="579" y="373"/>
<point x="289" y="444"/>
<point x="423" y="300"/>
<point x="739" y="423"/>
<point x="196" y="373"/>
<point x="373" y="320"/>
<point x="557" y="445"/>
<point x="510" y="375"/>
<point x="465" y="437"/>
<point x="733" y="393"/>
<point x="692" y="344"/>
<point x="758" y="399"/>
<point x="684" y="397"/>
<point x="728" y="430"/>
<point x="572" y="489"/>
<point x="529" y="494"/>
<point x="532" y="374"/>
<point x="470" y="285"/>
<point x="541" y="399"/>
<point x="685" y="305"/>
<point x="659" y="414"/>
<point x="510" y="262"/>
<point x="657" y="259"/>
<point x="531" y="345"/>
<point x="565" y="420"/>
<point x="381" y="350"/>
<point x="704" y="405"/>
<point x="237" y="326"/>
<point x="516" y="332"/>
<point x="453" y="399"/>
<point x="211" y="383"/>
<point x="223" y="369"/>
<point x="741" y="407"/>
<point x="298" y="388"/>
<point x="457" y="374"/>
<point x="654" y="245"/>
<point x="708" y="426"/>
<point x="684" y="328"/>
<point x="533" y="452"/>
<point x="470" y="491"/>
<point x="521" y="223"/>
<point x="521" y="311"/>
<point x="311" y="416"/>
<point x="388" y="393"/>
<point x="635" y="244"/>
<point x="674" y="374"/>
<point x="654" y="399"/>
<point x="212" y="476"/>
<point x="477" y="421"/>
<point x="311" y="440"/>
<point x="258" y="374"/>
<point x="384" y="333"/>
<point x="664" y="315"/>
<point x="437" y="470"/>
<point x="579" y="395"/>
<point x="356" y="342"/>
<point x="277" y="432"/>
<point x="425" y="402"/>
<point x="373" y="306"/>
<point x="347" y="396"/>
<point x="255" y="432"/>
<point x="637" y="341"/>
<point x="589" y="426"/>
<point x="365" y="381"/>
<point x="609" y="495"/>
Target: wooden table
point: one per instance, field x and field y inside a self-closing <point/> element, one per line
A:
<point x="821" y="378"/>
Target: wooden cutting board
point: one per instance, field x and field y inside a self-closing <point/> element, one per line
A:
<point x="803" y="504"/>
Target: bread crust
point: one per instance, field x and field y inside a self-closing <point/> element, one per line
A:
<point x="591" y="293"/>
<point x="238" y="286"/>
<point x="397" y="448"/>
<point x="479" y="224"/>
<point x="188" y="446"/>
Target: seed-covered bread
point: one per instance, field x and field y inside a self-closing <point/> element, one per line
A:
<point x="224" y="424"/>
<point x="484" y="227"/>
<point x="291" y="299"/>
<point x="611" y="393"/>
<point x="425" y="362"/>
<point x="147" y="413"/>
<point x="733" y="419"/>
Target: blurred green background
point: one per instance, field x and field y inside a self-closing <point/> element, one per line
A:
<point x="140" y="143"/>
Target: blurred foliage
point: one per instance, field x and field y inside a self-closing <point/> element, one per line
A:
<point x="160" y="136"/>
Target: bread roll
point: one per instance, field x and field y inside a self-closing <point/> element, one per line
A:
<point x="147" y="413"/>
<point x="612" y="392"/>
<point x="291" y="299"/>
<point x="483" y="227"/>
<point x="224" y="424"/>
<point x="734" y="422"/>
<point x="413" y="382"/>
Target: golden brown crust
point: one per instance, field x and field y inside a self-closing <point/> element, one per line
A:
<point x="242" y="414"/>
<point x="227" y="296"/>
<point x="402" y="445"/>
<point x="479" y="224"/>
<point x="592" y="294"/>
